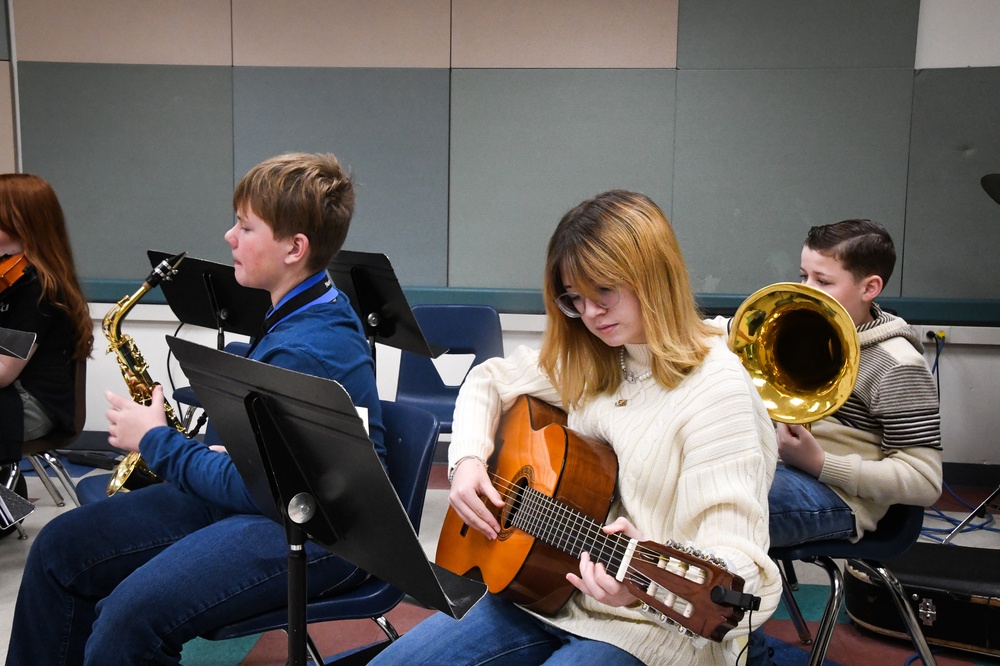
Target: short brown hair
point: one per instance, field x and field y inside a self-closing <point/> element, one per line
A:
<point x="301" y="193"/>
<point x="862" y="247"/>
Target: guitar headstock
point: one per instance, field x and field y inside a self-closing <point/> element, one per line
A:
<point x="687" y="588"/>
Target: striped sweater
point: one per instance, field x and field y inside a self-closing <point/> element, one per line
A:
<point x="695" y="464"/>
<point x="883" y="446"/>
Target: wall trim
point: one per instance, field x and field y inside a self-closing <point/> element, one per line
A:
<point x="954" y="312"/>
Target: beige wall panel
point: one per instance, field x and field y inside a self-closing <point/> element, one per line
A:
<point x="564" y="33"/>
<point x="147" y="32"/>
<point x="341" y="33"/>
<point x="958" y="33"/>
<point x="8" y="153"/>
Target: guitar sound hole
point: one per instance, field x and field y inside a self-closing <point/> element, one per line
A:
<point x="514" y="503"/>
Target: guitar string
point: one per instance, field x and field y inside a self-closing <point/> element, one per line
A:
<point x="669" y="602"/>
<point x="668" y="607"/>
<point x="546" y="505"/>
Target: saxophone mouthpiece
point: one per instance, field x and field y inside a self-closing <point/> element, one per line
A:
<point x="165" y="270"/>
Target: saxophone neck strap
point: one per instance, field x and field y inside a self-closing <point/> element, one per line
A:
<point x="310" y="293"/>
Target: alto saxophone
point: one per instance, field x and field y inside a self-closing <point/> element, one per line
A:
<point x="132" y="472"/>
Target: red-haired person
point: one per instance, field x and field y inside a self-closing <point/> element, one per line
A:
<point x="40" y="294"/>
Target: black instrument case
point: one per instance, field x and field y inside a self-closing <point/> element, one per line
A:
<point x="954" y="591"/>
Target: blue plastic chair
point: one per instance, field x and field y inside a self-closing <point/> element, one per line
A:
<point x="410" y="436"/>
<point x="898" y="529"/>
<point x="461" y="329"/>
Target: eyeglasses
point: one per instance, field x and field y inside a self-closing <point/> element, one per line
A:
<point x="574" y="305"/>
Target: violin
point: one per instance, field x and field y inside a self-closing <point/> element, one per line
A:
<point x="12" y="267"/>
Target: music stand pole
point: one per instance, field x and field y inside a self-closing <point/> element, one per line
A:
<point x="221" y="313"/>
<point x="370" y="283"/>
<point x="206" y="294"/>
<point x="297" y="577"/>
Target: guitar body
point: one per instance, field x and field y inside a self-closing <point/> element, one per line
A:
<point x="534" y="449"/>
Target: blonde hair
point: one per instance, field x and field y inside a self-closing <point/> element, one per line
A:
<point x="619" y="237"/>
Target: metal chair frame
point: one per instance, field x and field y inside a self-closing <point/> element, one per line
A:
<point x="39" y="451"/>
<point x="895" y="533"/>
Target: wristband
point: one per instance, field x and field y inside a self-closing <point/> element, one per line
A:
<point x="454" y="468"/>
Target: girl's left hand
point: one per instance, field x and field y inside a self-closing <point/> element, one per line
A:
<point x="595" y="581"/>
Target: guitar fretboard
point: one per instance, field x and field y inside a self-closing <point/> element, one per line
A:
<point x="566" y="528"/>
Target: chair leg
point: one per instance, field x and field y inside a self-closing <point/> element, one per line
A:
<point x="313" y="651"/>
<point x="788" y="567"/>
<point x="60" y="470"/>
<point x="898" y="595"/>
<point x="805" y="636"/>
<point x="387" y="628"/>
<point x="833" y="605"/>
<point x="46" y="481"/>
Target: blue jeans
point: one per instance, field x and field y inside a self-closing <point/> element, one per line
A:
<point x="804" y="509"/>
<point x="801" y="509"/>
<point x="496" y="632"/>
<point x="128" y="580"/>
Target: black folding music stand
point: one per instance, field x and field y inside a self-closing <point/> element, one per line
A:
<point x="371" y="285"/>
<point x="301" y="448"/>
<point x="13" y="509"/>
<point x="16" y="343"/>
<point x="205" y="293"/>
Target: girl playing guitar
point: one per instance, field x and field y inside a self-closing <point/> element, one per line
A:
<point x="626" y="354"/>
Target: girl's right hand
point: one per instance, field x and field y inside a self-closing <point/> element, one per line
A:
<point x="470" y="488"/>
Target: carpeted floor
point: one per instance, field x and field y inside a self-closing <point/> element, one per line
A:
<point x="850" y="645"/>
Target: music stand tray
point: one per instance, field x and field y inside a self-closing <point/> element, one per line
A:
<point x="293" y="435"/>
<point x="371" y="285"/>
<point x="13" y="507"/>
<point x="205" y="293"/>
<point x="16" y="343"/>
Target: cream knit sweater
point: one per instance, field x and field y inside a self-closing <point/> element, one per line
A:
<point x="695" y="465"/>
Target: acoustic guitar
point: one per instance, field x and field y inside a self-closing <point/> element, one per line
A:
<point x="555" y="483"/>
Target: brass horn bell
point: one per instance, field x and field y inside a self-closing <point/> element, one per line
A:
<point x="801" y="349"/>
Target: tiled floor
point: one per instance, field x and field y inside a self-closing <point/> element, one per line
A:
<point x="850" y="645"/>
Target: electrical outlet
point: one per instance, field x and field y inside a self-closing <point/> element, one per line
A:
<point x="931" y="333"/>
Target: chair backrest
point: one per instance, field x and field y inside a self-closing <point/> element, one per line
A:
<point x="411" y="436"/>
<point x="58" y="439"/>
<point x="80" y="415"/>
<point x="898" y="529"/>
<point x="462" y="329"/>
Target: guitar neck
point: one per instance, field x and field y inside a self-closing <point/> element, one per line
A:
<point x="676" y="583"/>
<point x="567" y="529"/>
